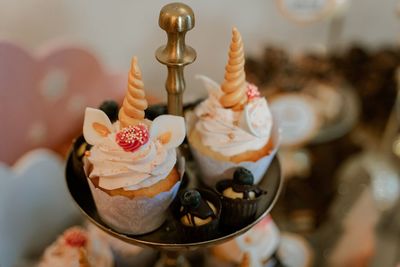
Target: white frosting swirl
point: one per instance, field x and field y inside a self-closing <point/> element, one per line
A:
<point x="225" y="131"/>
<point x="117" y="168"/>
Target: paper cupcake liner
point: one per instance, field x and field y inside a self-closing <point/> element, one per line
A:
<point x="213" y="171"/>
<point x="138" y="215"/>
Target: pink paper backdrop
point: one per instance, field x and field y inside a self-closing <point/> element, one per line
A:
<point x="42" y="97"/>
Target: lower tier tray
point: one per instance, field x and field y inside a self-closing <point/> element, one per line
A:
<point x="167" y="236"/>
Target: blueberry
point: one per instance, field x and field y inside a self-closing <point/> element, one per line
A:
<point x="110" y="107"/>
<point x="190" y="198"/>
<point x="243" y="176"/>
<point x="154" y="111"/>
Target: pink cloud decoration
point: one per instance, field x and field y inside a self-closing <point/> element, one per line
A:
<point x="43" y="96"/>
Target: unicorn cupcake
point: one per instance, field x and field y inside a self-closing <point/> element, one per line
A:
<point x="233" y="127"/>
<point x="132" y="164"/>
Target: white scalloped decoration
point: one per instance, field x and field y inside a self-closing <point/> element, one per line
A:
<point x="34" y="205"/>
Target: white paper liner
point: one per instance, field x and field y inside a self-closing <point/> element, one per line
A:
<point x="212" y="171"/>
<point x="138" y="215"/>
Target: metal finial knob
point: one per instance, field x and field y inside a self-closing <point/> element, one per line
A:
<point x="176" y="19"/>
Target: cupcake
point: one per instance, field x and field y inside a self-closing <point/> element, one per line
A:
<point x="239" y="198"/>
<point x="198" y="213"/>
<point x="125" y="254"/>
<point x="260" y="244"/>
<point x="75" y="247"/>
<point x="132" y="165"/>
<point x="233" y="126"/>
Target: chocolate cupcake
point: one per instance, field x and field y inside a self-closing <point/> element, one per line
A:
<point x="199" y="213"/>
<point x="239" y="198"/>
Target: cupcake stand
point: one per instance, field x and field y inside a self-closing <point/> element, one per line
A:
<point x="176" y="19"/>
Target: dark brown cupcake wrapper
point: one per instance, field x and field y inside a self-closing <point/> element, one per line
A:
<point x="236" y="212"/>
<point x="200" y="233"/>
<point x="206" y="231"/>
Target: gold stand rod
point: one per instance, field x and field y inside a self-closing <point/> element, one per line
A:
<point x="176" y="19"/>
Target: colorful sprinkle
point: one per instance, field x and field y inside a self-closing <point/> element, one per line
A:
<point x="132" y="138"/>
<point x="252" y="92"/>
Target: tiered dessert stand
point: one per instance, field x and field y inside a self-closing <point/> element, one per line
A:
<point x="176" y="19"/>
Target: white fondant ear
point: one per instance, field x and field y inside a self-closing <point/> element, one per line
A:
<point x="96" y="126"/>
<point x="169" y="129"/>
<point x="211" y="86"/>
<point x="256" y="118"/>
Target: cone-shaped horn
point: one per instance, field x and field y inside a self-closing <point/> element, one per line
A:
<point x="135" y="103"/>
<point x="234" y="85"/>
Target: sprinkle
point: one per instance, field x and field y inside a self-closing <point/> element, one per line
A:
<point x="132" y="137"/>
<point x="252" y="92"/>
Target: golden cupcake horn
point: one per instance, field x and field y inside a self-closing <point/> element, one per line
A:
<point x="135" y="103"/>
<point x="234" y="85"/>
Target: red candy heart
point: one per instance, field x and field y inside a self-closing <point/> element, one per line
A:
<point x="132" y="138"/>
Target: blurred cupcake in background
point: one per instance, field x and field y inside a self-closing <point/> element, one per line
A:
<point x="125" y="254"/>
<point x="264" y="245"/>
<point x="260" y="244"/>
<point x="75" y="247"/>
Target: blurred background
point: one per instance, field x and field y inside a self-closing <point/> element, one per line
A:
<point x="116" y="31"/>
<point x="329" y="69"/>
